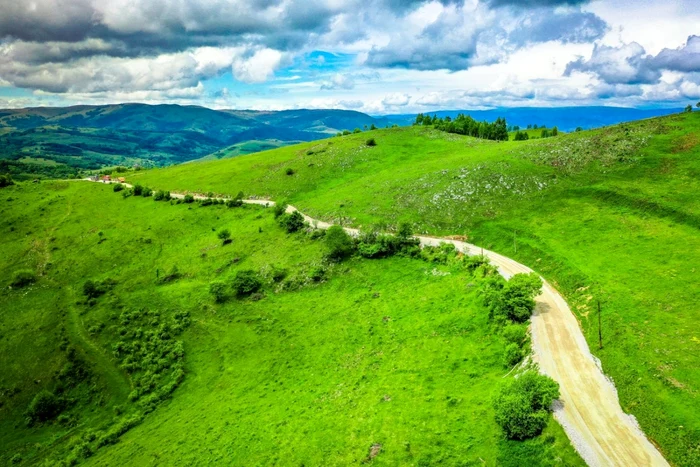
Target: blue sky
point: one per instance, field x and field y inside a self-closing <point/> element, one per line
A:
<point x="384" y="56"/>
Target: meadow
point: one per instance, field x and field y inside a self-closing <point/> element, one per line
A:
<point x="390" y="361"/>
<point x="608" y="215"/>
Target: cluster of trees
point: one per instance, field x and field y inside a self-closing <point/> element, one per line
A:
<point x="689" y="107"/>
<point x="357" y="130"/>
<point x="466" y="125"/>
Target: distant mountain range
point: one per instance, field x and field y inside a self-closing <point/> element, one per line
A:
<point x="59" y="141"/>
<point x="565" y="118"/>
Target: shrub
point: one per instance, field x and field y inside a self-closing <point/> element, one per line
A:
<point x="688" y="108"/>
<point x="138" y="190"/>
<point x="161" y="195"/>
<point x="224" y="234"/>
<point x="515" y="334"/>
<point x="519" y="296"/>
<point x="45" y="406"/>
<point x="289" y="171"/>
<point x="318" y="272"/>
<point x="292" y="222"/>
<point x="339" y="243"/>
<point x="522" y="405"/>
<point x="234" y="203"/>
<point x="118" y="187"/>
<point x="371" y="142"/>
<point x="246" y="282"/>
<point x="207" y="202"/>
<point x="189" y="199"/>
<point x="92" y="289"/>
<point x="356" y="130"/>
<point x="23" y="278"/>
<point x="513" y="299"/>
<point x="218" y="291"/>
<point x="280" y="209"/>
<point x="146" y="192"/>
<point x="346" y="132"/>
<point x="6" y="180"/>
<point x="512" y="356"/>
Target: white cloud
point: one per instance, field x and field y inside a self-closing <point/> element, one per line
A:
<point x="257" y="68"/>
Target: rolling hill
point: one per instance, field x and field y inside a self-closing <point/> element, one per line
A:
<point x="608" y="216"/>
<point x="91" y="137"/>
<point x="140" y="336"/>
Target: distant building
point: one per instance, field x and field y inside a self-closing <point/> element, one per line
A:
<point x="121" y="179"/>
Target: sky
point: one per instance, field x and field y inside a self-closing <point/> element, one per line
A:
<point x="373" y="56"/>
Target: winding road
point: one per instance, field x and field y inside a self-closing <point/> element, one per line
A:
<point x="588" y="408"/>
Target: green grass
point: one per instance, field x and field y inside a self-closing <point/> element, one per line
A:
<point x="610" y="215"/>
<point x="316" y="375"/>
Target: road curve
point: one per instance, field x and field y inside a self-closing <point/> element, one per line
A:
<point x="588" y="408"/>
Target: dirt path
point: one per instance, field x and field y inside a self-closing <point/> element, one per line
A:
<point x="588" y="409"/>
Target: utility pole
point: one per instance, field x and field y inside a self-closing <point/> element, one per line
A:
<point x="600" y="330"/>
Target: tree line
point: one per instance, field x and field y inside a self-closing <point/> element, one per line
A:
<point x="466" y="125"/>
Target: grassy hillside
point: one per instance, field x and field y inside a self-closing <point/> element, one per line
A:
<point x="609" y="215"/>
<point x="329" y="364"/>
<point x="90" y="137"/>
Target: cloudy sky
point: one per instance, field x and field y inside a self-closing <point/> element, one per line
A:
<point x="376" y="56"/>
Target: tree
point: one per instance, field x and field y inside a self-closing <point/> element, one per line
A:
<point x="118" y="187"/>
<point x="419" y="119"/>
<point x="357" y="130"/>
<point x="555" y="131"/>
<point x="523" y="405"/>
<point x="188" y="199"/>
<point x="246" y="282"/>
<point x="292" y="222"/>
<point x="138" y="190"/>
<point x="578" y="128"/>
<point x="339" y="243"/>
<point x="697" y="105"/>
<point x="519" y="296"/>
<point x="372" y="127"/>
<point x="688" y="108"/>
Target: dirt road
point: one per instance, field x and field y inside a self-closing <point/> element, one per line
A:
<point x="588" y="408"/>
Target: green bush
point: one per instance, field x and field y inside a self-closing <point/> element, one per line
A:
<point x="189" y="199"/>
<point x="92" y="289"/>
<point x="6" y="180"/>
<point x="512" y="355"/>
<point x="206" y="202"/>
<point x="280" y="209"/>
<point x="161" y="195"/>
<point x="292" y="222"/>
<point x="23" y="278"/>
<point x="218" y="291"/>
<point x="246" y="282"/>
<point x="118" y="187"/>
<point x="515" y="334"/>
<point x="523" y="404"/>
<point x="371" y="142"/>
<point x="45" y="406"/>
<point x="513" y="299"/>
<point x="289" y="171"/>
<point x="234" y="203"/>
<point x="138" y="190"/>
<point x="146" y="192"/>
<point x="224" y="234"/>
<point x="339" y="243"/>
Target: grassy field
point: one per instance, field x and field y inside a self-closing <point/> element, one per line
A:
<point x="153" y="370"/>
<point x="609" y="215"/>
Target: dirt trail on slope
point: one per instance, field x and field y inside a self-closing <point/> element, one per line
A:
<point x="588" y="408"/>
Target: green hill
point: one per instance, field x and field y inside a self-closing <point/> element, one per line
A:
<point x="115" y="350"/>
<point x="91" y="137"/>
<point x="609" y="215"/>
